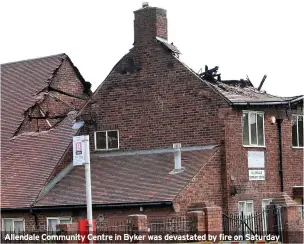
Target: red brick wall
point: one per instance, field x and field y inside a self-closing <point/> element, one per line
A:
<point x="237" y="161"/>
<point x="157" y="106"/>
<point x="65" y="80"/>
<point x="205" y="186"/>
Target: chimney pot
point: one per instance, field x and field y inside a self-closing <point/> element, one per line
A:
<point x="145" y="4"/>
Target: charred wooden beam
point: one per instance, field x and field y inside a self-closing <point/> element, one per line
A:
<point x="262" y="82"/>
<point x="66" y="93"/>
<point x="60" y="116"/>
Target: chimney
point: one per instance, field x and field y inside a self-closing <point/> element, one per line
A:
<point x="149" y="23"/>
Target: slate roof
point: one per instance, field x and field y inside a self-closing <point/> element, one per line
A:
<point x="30" y="161"/>
<point x="20" y="82"/>
<point x="27" y="160"/>
<point x="249" y="94"/>
<point x="236" y="94"/>
<point x="128" y="179"/>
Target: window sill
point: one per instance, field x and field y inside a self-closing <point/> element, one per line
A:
<point x="254" y="146"/>
<point x="297" y="147"/>
<point x="106" y="150"/>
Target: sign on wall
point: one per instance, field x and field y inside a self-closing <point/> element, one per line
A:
<point x="256" y="159"/>
<point x="257" y="174"/>
<point x="81" y="150"/>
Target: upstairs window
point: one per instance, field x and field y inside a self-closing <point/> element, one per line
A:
<point x="13" y="225"/>
<point x="297" y="130"/>
<point x="253" y="128"/>
<point x="106" y="140"/>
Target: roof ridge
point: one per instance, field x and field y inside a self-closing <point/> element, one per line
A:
<point x="32" y="59"/>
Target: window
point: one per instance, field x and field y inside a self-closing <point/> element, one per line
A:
<point x="106" y="140"/>
<point x="253" y="128"/>
<point x="297" y="130"/>
<point x="52" y="222"/>
<point x="265" y="202"/>
<point x="246" y="210"/>
<point x="16" y="225"/>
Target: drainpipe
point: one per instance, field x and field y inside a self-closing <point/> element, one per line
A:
<point x="35" y="216"/>
<point x="279" y="124"/>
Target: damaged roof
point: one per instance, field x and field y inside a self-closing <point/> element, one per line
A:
<point x="237" y="94"/>
<point x="29" y="157"/>
<point x="20" y="83"/>
<point x="124" y="179"/>
<point x="29" y="162"/>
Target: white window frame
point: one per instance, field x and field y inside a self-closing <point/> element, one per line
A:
<point x="265" y="221"/>
<point x="58" y="220"/>
<point x="13" y="219"/>
<point x="106" y="149"/>
<point x="298" y="141"/>
<point x="246" y="215"/>
<point x="249" y="128"/>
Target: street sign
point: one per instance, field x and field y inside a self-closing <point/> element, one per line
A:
<point x="81" y="150"/>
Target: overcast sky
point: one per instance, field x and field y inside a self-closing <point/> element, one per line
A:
<point x="241" y="37"/>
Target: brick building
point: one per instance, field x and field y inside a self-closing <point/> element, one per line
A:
<point x="240" y="146"/>
<point x="39" y="102"/>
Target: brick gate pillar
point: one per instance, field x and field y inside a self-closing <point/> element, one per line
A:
<point x="292" y="223"/>
<point x="213" y="221"/>
<point x="292" y="219"/>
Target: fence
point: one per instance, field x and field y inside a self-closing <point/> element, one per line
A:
<point x="179" y="225"/>
<point x="268" y="221"/>
<point x="171" y="225"/>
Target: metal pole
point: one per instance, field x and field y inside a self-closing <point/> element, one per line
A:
<point x="88" y="184"/>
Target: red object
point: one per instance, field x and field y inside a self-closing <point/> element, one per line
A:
<point x="83" y="230"/>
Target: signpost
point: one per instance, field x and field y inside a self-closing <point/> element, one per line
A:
<point x="81" y="155"/>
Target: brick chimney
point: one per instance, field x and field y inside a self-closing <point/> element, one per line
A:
<point x="149" y="23"/>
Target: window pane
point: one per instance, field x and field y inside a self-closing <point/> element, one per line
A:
<point x="52" y="224"/>
<point x="8" y="224"/>
<point x="294" y="131"/>
<point x="253" y="132"/>
<point x="112" y="139"/>
<point x="18" y="225"/>
<point x="242" y="208"/>
<point x="245" y="129"/>
<point x="300" y="130"/>
<point x="249" y="208"/>
<point x="260" y="121"/>
<point x="65" y="221"/>
<point x="101" y="140"/>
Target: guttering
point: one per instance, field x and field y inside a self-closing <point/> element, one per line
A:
<point x="268" y="103"/>
<point x="115" y="205"/>
<point x="259" y="103"/>
<point x="297" y="99"/>
<point x="14" y="209"/>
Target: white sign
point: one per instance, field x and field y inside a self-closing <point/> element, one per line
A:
<point x="81" y="150"/>
<point x="258" y="174"/>
<point x="256" y="159"/>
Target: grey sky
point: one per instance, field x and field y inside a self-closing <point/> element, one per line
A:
<point x="241" y="37"/>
